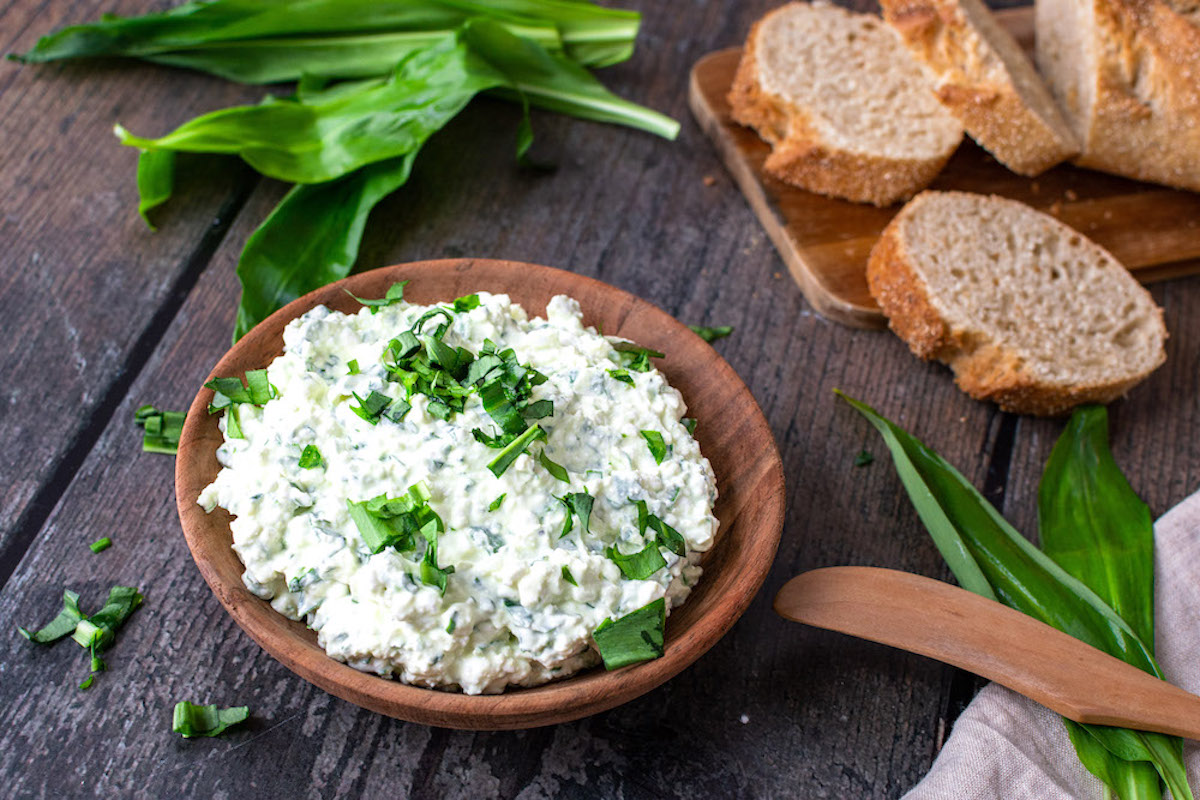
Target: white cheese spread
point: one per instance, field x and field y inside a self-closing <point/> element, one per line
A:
<point x="523" y="600"/>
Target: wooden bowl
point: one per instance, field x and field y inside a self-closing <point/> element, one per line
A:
<point x="731" y="431"/>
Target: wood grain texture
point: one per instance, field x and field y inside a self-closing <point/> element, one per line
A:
<point x="772" y="710"/>
<point x="825" y="242"/>
<point x="82" y="276"/>
<point x="731" y="430"/>
<point x="974" y="633"/>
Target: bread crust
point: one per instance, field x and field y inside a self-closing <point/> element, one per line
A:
<point x="799" y="157"/>
<point x="1145" y="120"/>
<point x="983" y="369"/>
<point x="939" y="35"/>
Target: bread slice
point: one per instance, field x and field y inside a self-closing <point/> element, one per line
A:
<point x="1127" y="72"/>
<point x="984" y="77"/>
<point x="1028" y="312"/>
<point x="846" y="110"/>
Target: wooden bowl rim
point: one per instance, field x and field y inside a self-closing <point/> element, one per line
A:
<point x="580" y="695"/>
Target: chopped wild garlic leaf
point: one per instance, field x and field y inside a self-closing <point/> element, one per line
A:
<point x="190" y="720"/>
<point x="637" y="636"/>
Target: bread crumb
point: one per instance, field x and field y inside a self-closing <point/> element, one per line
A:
<point x="1071" y="195"/>
<point x="709" y="180"/>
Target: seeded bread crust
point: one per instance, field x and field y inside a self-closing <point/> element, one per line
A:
<point x="800" y="158"/>
<point x="985" y="370"/>
<point x="1144" y="121"/>
<point x="940" y="36"/>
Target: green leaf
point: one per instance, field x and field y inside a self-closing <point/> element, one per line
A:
<point x="190" y="720"/>
<point x="495" y="504"/>
<point x="1092" y="523"/>
<point x="311" y="239"/>
<point x="303" y="142"/>
<point x="710" y="335"/>
<point x="161" y="429"/>
<point x="264" y="42"/>
<point x="635" y="637"/>
<point x="155" y="181"/>
<point x="501" y="462"/>
<point x="557" y="470"/>
<point x="690" y="425"/>
<point x="100" y="545"/>
<point x="557" y="83"/>
<point x="581" y="504"/>
<point x="989" y="557"/>
<point x="61" y="626"/>
<point x="658" y="447"/>
<point x="621" y="375"/>
<point x="567" y="576"/>
<point x="310" y="458"/>
<point x="640" y="565"/>
<point x="395" y="294"/>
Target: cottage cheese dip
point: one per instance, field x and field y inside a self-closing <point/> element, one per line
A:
<point x="523" y="599"/>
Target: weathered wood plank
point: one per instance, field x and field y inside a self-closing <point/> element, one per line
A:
<point x="824" y="715"/>
<point x="82" y="277"/>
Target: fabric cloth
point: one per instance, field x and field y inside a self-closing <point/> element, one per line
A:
<point x="1007" y="746"/>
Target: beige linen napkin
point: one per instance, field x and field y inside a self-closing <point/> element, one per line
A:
<point x="1006" y="746"/>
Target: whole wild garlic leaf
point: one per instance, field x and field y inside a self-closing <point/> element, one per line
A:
<point x="317" y="142"/>
<point x="268" y="41"/>
<point x="989" y="557"/>
<point x="1092" y="523"/>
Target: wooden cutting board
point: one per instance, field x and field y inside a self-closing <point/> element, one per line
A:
<point x="825" y="242"/>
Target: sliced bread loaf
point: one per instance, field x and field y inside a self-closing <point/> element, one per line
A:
<point x="846" y="110"/>
<point x="985" y="78"/>
<point x="1127" y="72"/>
<point x="1028" y="312"/>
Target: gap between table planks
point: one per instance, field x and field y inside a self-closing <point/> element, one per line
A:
<point x="825" y="242"/>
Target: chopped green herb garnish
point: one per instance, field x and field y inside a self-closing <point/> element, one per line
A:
<point x="664" y="534"/>
<point x="192" y="720"/>
<point x="95" y="633"/>
<point x="87" y="682"/>
<point x="229" y="393"/>
<point x="863" y="458"/>
<point x="431" y="573"/>
<point x="637" y="636"/>
<point x="567" y="576"/>
<point x="395" y="522"/>
<point x="580" y="504"/>
<point x="451" y="625"/>
<point x="62" y="625"/>
<point x="689" y="424"/>
<point x="311" y="457"/>
<point x="501" y="462"/>
<point x="495" y="504"/>
<point x="100" y="545"/>
<point x="640" y="565"/>
<point x="710" y="335"/>
<point x="658" y="447"/>
<point x="161" y="429"/>
<point x="635" y="357"/>
<point x="372" y="406"/>
<point x="621" y="375"/>
<point x="233" y="428"/>
<point x="395" y="294"/>
<point x="466" y="303"/>
<point x="557" y="470"/>
<point x="352" y="367"/>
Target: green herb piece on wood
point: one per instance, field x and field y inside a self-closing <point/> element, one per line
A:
<point x="638" y="636"/>
<point x="100" y="545"/>
<point x="863" y="458"/>
<point x="711" y="335"/>
<point x="160" y="429"/>
<point x="190" y="720"/>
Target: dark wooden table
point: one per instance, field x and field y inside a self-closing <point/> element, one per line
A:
<point x="100" y="316"/>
